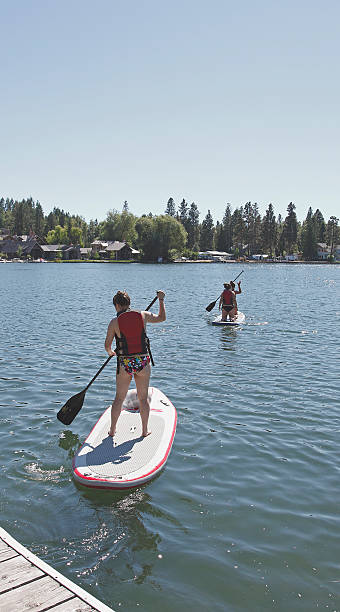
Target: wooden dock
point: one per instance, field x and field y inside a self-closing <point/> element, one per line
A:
<point x="27" y="583"/>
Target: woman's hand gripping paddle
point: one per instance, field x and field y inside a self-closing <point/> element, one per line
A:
<point x="73" y="405"/>
<point x="212" y="304"/>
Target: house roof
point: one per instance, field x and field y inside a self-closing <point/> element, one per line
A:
<point x="51" y="248"/>
<point x="71" y="247"/>
<point x="214" y="253"/>
<point x="11" y="245"/>
<point x="116" y="246"/>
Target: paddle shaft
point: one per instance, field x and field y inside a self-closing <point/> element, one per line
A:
<point x="110" y="356"/>
<point x="237" y="276"/>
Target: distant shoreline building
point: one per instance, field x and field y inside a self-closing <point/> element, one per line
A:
<point x="36" y="248"/>
<point x="121" y="250"/>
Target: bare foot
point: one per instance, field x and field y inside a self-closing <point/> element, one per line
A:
<point x="110" y="433"/>
<point x="144" y="435"/>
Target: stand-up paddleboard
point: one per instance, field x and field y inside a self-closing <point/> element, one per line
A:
<point x="239" y="319"/>
<point x="127" y="460"/>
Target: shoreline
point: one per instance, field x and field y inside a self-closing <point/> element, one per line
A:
<point x="193" y="261"/>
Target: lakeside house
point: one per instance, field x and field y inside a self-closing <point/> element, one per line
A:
<point x="260" y="257"/>
<point x="22" y="246"/>
<point x="215" y="255"/>
<point x="113" y="249"/>
<point x="58" y="251"/>
<point x="35" y="247"/>
<point x="323" y="250"/>
<point x="85" y="252"/>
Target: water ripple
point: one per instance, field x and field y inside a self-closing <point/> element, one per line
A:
<point x="246" y="515"/>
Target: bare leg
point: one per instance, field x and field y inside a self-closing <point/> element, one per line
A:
<point x="142" y="384"/>
<point x="232" y="314"/>
<point x="123" y="380"/>
<point x="224" y="315"/>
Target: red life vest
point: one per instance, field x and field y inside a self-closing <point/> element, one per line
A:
<point x="133" y="340"/>
<point x="227" y="297"/>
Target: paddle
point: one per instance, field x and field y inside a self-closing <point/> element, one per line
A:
<point x="212" y="304"/>
<point x="70" y="410"/>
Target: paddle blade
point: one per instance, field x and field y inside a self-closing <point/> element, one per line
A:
<point x="70" y="410"/>
<point x="211" y="306"/>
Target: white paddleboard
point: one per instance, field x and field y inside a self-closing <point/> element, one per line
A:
<point x="239" y="319"/>
<point x="127" y="460"/>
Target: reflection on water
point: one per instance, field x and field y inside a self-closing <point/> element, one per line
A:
<point x="229" y="338"/>
<point x="119" y="534"/>
<point x="69" y="441"/>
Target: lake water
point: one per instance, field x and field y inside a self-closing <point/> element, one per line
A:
<point x="246" y="515"/>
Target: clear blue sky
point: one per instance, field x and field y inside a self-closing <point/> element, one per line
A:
<point x="139" y="100"/>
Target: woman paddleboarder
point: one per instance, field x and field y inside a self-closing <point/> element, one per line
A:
<point x="227" y="303"/>
<point x="232" y="284"/>
<point x="133" y="354"/>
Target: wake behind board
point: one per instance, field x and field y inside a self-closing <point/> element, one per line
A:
<point x="127" y="460"/>
<point x="239" y="319"/>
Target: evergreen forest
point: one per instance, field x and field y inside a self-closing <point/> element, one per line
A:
<point x="179" y="231"/>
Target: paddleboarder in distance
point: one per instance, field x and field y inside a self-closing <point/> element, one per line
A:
<point x="133" y="354"/>
<point x="227" y="303"/>
<point x="236" y="293"/>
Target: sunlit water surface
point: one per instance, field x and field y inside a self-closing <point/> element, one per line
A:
<point x="246" y="515"/>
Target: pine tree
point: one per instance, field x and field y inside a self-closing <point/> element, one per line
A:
<point x="332" y="233"/>
<point x="39" y="220"/>
<point x="193" y="229"/>
<point x="239" y="229"/>
<point x="308" y="237"/>
<point x="257" y="229"/>
<point x="207" y="233"/>
<point x="219" y="237"/>
<point x="249" y="225"/>
<point x="183" y="213"/>
<point x="290" y="228"/>
<point x="2" y="212"/>
<point x="320" y="226"/>
<point x="269" y="231"/>
<point x="170" y="208"/>
<point x="226" y="233"/>
<point x="92" y="232"/>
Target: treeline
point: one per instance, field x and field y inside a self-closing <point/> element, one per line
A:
<point x="179" y="230"/>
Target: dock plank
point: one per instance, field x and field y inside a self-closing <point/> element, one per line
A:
<point x="8" y="553"/>
<point x="38" y="595"/>
<point x="3" y="545"/>
<point x="73" y="605"/>
<point x="17" y="571"/>
<point x="27" y="582"/>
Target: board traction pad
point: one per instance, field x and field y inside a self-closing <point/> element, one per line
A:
<point x="127" y="451"/>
